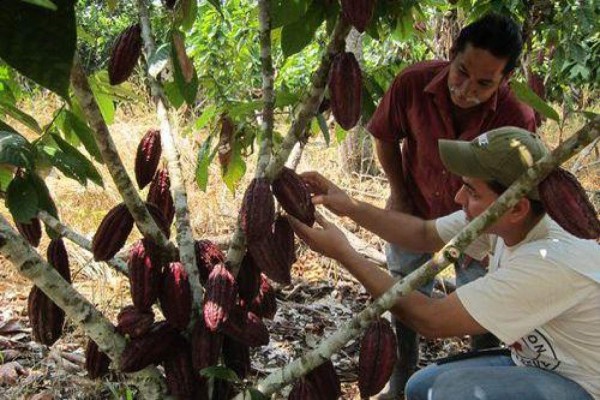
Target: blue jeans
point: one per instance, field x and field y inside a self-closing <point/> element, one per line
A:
<point x="490" y="378"/>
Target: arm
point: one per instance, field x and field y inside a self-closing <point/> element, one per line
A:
<point x="390" y="158"/>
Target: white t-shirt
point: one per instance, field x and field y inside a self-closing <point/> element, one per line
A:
<point x="541" y="297"/>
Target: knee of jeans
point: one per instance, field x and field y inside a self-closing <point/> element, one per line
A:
<point x="418" y="385"/>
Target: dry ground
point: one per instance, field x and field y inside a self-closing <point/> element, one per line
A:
<point x="322" y="294"/>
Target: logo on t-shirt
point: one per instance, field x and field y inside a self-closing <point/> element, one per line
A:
<point x="535" y="350"/>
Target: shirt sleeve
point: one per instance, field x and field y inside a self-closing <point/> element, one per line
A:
<point x="386" y="122"/>
<point x="449" y="226"/>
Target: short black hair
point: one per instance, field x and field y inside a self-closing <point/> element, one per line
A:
<point x="496" y="33"/>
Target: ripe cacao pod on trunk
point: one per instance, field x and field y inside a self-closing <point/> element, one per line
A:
<point x="206" y="346"/>
<point x="236" y="356"/>
<point x="152" y="348"/>
<point x="31" y="231"/>
<point x="112" y="233"/>
<point x="248" y="280"/>
<point x="284" y="236"/>
<point x="303" y="390"/>
<point x="272" y="259"/>
<point x="358" y="13"/>
<point x="345" y="89"/>
<point x="176" y="296"/>
<point x="258" y="210"/>
<point x="96" y="361"/>
<point x="226" y="136"/>
<point x="178" y="372"/>
<point x="566" y="202"/>
<point x="264" y="304"/>
<point x="159" y="194"/>
<point x="325" y="381"/>
<point x="46" y="318"/>
<point x="134" y="322"/>
<point x="293" y="195"/>
<point x="246" y="327"/>
<point x="145" y="271"/>
<point x="223" y="390"/>
<point x="208" y="255"/>
<point x="377" y="357"/>
<point x="125" y="54"/>
<point x="59" y="259"/>
<point x="220" y="296"/>
<point x="147" y="157"/>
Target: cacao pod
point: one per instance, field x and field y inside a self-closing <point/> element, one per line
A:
<point x="159" y="194"/>
<point x="134" y="322"/>
<point x="377" y="357"/>
<point x="176" y="296"/>
<point x="566" y="202"/>
<point x="147" y="157"/>
<point x="159" y="218"/>
<point x="236" y="356"/>
<point x="325" y="381"/>
<point x="96" y="361"/>
<point x="112" y="233"/>
<point x="358" y="13"/>
<point x="46" y="318"/>
<point x="248" y="280"/>
<point x="284" y="236"/>
<point x="208" y="255"/>
<point x="293" y="195"/>
<point x="178" y="372"/>
<point x="223" y="390"/>
<point x="225" y="146"/>
<point x="31" y="231"/>
<point x="125" y="54"/>
<point x="57" y="257"/>
<point x="145" y="271"/>
<point x="274" y="262"/>
<point x="303" y="390"/>
<point x="152" y="348"/>
<point x="206" y="346"/>
<point x="345" y="89"/>
<point x="246" y="328"/>
<point x="220" y="296"/>
<point x="170" y="4"/>
<point x="265" y="304"/>
<point x="257" y="211"/>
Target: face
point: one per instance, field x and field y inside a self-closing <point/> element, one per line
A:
<point x="475" y="75"/>
<point x="474" y="196"/>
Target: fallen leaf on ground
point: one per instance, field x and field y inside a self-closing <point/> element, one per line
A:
<point x="10" y="372"/>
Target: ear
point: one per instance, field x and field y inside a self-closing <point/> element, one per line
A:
<point x="520" y="211"/>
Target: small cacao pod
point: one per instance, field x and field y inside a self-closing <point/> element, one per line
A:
<point x="220" y="296"/>
<point x="57" y="257"/>
<point x="178" y="371"/>
<point x="566" y="202"/>
<point x="208" y="255"/>
<point x="325" y="381"/>
<point x="248" y="280"/>
<point x="226" y="135"/>
<point x="274" y="262"/>
<point x="345" y="89"/>
<point x="152" y="348"/>
<point x="159" y="194"/>
<point x="134" y="322"/>
<point x="236" y="356"/>
<point x="147" y="157"/>
<point x="358" y="13"/>
<point x="246" y="328"/>
<point x="206" y="346"/>
<point x="176" y="296"/>
<point x="125" y="54"/>
<point x="223" y="389"/>
<point x="265" y="304"/>
<point x="293" y="195"/>
<point x="284" y="236"/>
<point x="145" y="271"/>
<point x="257" y="211"/>
<point x="303" y="390"/>
<point x="159" y="218"/>
<point x="112" y="233"/>
<point x="377" y="357"/>
<point x="31" y="231"/>
<point x="96" y="361"/>
<point x="46" y="318"/>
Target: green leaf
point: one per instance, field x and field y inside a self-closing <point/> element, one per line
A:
<point x="6" y="175"/>
<point x="239" y="109"/>
<point x="324" y="128"/>
<point x="173" y="94"/>
<point x="188" y="90"/>
<point x="76" y="126"/>
<point x="204" y="159"/>
<point x="103" y="98"/>
<point x="527" y="96"/>
<point x="297" y="35"/>
<point x="190" y="15"/>
<point x="45" y="203"/>
<point x="43" y="3"/>
<point x="15" y="150"/>
<point x="22" y="117"/>
<point x="235" y="169"/>
<point x="284" y="12"/>
<point x="216" y="4"/>
<point x="21" y="198"/>
<point x="340" y="133"/>
<point x="38" y="42"/>
<point x="206" y="116"/>
<point x="71" y="162"/>
<point x="159" y="60"/>
<point x="256" y="395"/>
<point x="220" y="372"/>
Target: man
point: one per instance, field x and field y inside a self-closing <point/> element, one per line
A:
<point x="541" y="296"/>
<point x="435" y="100"/>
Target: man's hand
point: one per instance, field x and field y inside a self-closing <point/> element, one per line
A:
<point x="328" y="240"/>
<point x="328" y="194"/>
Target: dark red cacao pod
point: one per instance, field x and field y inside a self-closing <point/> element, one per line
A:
<point x="147" y="157"/>
<point x="46" y="318"/>
<point x="159" y="194"/>
<point x="303" y="390"/>
<point x="134" y="322"/>
<point x="220" y="296"/>
<point x="265" y="304"/>
<point x="236" y="356"/>
<point x="284" y="236"/>
<point x="358" y="13"/>
<point x="178" y="372"/>
<point x="272" y="259"/>
<point x="206" y="346"/>
<point x="176" y="296"/>
<point x="96" y="361"/>
<point x="377" y="357"/>
<point x="31" y="231"/>
<point x="246" y="328"/>
<point x="152" y="348"/>
<point x="226" y="136"/>
<point x="223" y="390"/>
<point x="345" y="89"/>
<point x="248" y="280"/>
<point x="293" y="195"/>
<point x="125" y="54"/>
<point x="57" y="257"/>
<point x="145" y="271"/>
<point x="112" y="233"/>
<point x="325" y="381"/>
<point x="208" y="255"/>
<point x="258" y="210"/>
<point x="566" y="202"/>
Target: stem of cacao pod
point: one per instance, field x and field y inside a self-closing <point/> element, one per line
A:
<point x="441" y="260"/>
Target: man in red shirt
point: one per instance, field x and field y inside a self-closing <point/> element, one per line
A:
<point x="434" y="100"/>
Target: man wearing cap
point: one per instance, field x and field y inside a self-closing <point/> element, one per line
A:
<point x="456" y="99"/>
<point x="541" y="296"/>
